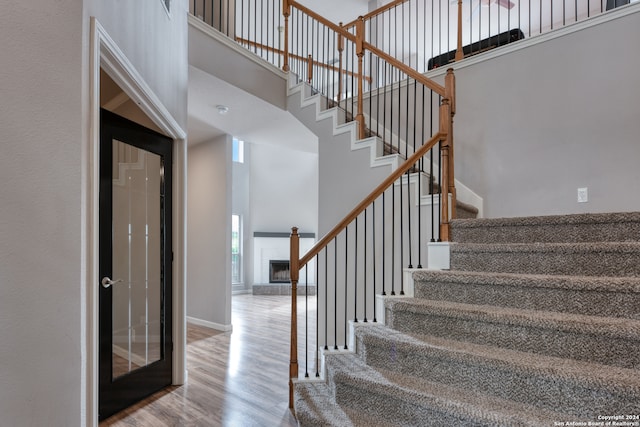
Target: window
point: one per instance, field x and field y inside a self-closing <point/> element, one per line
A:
<point x="236" y="249"/>
<point x="238" y="151"/>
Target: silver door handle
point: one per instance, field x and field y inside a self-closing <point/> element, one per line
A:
<point x="106" y="281"/>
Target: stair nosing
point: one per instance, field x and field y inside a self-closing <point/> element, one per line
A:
<point x="609" y="284"/>
<point x="571" y="219"/>
<point x="537" y="247"/>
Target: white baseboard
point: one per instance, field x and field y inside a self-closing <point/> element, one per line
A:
<point x="212" y="325"/>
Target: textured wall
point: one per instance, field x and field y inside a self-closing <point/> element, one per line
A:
<point x="535" y="125"/>
<point x="209" y="232"/>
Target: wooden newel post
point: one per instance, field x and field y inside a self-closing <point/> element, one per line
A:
<point x="309" y="69"/>
<point x="360" y="54"/>
<point x="294" y="269"/>
<point x="445" y="121"/>
<point x="450" y="93"/>
<point x="286" y="11"/>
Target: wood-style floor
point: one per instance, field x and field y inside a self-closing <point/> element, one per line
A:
<point x="235" y="379"/>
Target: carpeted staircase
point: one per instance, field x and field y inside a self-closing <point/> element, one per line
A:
<point x="536" y="324"/>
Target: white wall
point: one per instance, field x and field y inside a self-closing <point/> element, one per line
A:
<point x="41" y="213"/>
<point x="241" y="205"/>
<point x="209" y="233"/>
<point x="284" y="189"/>
<point x="44" y="116"/>
<point x="535" y="125"/>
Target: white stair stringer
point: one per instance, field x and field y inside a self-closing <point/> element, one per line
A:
<point x="374" y="144"/>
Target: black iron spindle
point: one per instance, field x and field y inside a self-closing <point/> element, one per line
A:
<point x="355" y="274"/>
<point x="346" y="280"/>
<point x="373" y="255"/>
<point x="326" y="304"/>
<point x="393" y="239"/>
<point x="335" y="305"/>
<point x="317" y="315"/>
<point x="384" y="258"/>
<point x="306" y="322"/>
<point x="364" y="272"/>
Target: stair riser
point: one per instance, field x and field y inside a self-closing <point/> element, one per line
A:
<point x="588" y="263"/>
<point x="593" y="303"/>
<point x="569" y="397"/>
<point x="549" y="341"/>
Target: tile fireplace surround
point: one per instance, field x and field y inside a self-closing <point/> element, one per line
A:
<point x="270" y="246"/>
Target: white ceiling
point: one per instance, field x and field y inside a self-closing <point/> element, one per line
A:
<point x="249" y="118"/>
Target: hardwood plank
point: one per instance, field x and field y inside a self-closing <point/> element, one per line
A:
<point x="235" y="379"/>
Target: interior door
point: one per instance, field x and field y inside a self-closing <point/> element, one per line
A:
<point x="135" y="353"/>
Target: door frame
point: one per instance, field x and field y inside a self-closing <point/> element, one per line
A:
<point x="105" y="54"/>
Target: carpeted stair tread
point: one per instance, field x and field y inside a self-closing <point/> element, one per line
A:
<point x="585" y="259"/>
<point x="315" y="406"/>
<point x="615" y="227"/>
<point x="605" y="340"/>
<point x="614" y="378"/>
<point x="595" y="296"/>
<point x="595" y="325"/>
<point x="579" y="283"/>
<point x="556" y="384"/>
<point x="389" y="394"/>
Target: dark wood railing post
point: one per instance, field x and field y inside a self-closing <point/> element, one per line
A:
<point x="459" y="52"/>
<point x="450" y="93"/>
<point x="445" y="121"/>
<point x="360" y="54"/>
<point x="294" y="268"/>
<point x="309" y="69"/>
<point x="286" y="11"/>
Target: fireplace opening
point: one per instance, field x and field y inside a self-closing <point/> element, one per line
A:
<point x="279" y="271"/>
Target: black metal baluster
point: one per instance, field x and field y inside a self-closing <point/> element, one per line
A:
<point x="431" y="178"/>
<point x="393" y="239"/>
<point x="420" y="173"/>
<point x="317" y="315"/>
<point x="346" y="281"/>
<point x="373" y="255"/>
<point x="335" y="303"/>
<point x="364" y="272"/>
<point x="384" y="258"/>
<point x="255" y="27"/>
<point x="306" y="321"/>
<point x="326" y="304"/>
<point x="384" y="104"/>
<point x="355" y="275"/>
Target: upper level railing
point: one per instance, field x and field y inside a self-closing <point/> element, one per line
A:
<point x="422" y="34"/>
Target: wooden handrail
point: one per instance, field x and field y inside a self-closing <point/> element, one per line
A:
<point x="376" y="12"/>
<point x="406" y="69"/>
<point x="368" y="46"/>
<point x="408" y="164"/>
<point x="338" y="29"/>
<point x="300" y="58"/>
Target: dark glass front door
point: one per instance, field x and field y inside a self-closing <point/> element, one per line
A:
<point x="135" y="263"/>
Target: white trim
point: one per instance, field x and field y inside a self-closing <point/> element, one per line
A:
<point x="438" y="256"/>
<point x="211" y="325"/>
<point x="105" y="54"/>
<point x="207" y="29"/>
<point x="602" y="18"/>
